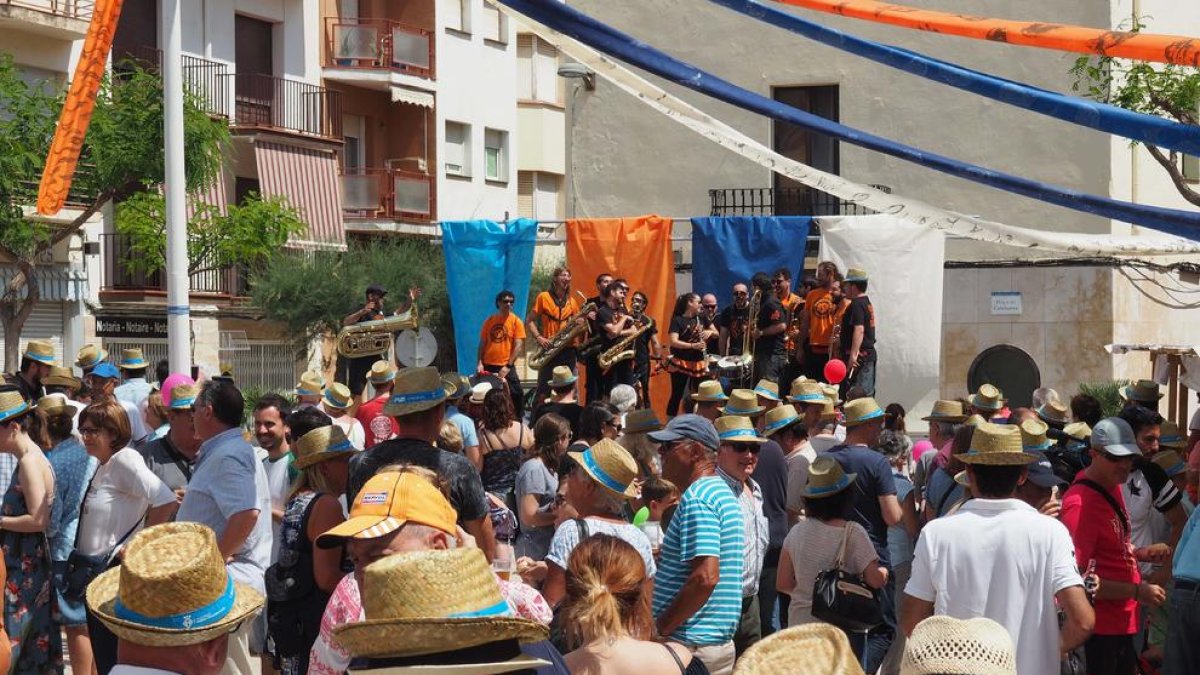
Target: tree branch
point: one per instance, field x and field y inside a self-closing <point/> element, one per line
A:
<point x="1177" y="177"/>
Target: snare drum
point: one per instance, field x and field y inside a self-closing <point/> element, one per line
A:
<point x="735" y="369"/>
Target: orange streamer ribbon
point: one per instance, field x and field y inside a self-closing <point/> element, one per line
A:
<point x="77" y="109"/>
<point x="1176" y="49"/>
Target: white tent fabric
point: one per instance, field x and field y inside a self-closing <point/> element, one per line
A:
<point x="911" y="210"/>
<point x="904" y="263"/>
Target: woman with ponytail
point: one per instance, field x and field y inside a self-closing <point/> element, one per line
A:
<point x="607" y="615"/>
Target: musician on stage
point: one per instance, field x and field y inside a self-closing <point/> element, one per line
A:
<point x="793" y="306"/>
<point x="687" y="340"/>
<point x="616" y="324"/>
<point x="372" y="310"/>
<point x="732" y="321"/>
<point x="551" y="309"/>
<point x="817" y="322"/>
<point x="590" y="363"/>
<point x="858" y="334"/>
<point x="708" y="321"/>
<point x="647" y="350"/>
<point x="500" y="343"/>
<point x="769" y="332"/>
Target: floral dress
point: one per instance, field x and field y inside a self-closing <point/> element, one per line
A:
<point x="36" y="641"/>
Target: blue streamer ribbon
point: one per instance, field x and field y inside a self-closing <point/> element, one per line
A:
<point x="201" y="617"/>
<point x="608" y="40"/>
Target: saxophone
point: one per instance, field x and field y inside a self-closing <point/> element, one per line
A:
<point x="623" y="349"/>
<point x="371" y="338"/>
<point x="570" y="330"/>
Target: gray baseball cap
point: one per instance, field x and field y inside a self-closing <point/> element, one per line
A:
<point x="1114" y="436"/>
<point x="688" y="427"/>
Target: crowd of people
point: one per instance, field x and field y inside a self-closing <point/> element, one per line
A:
<point x="773" y="522"/>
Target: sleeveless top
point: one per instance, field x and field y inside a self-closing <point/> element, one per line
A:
<point x="500" y="465"/>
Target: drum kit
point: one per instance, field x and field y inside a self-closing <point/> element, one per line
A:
<point x="736" y="369"/>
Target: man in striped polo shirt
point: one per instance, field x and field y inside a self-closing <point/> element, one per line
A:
<point x="698" y="588"/>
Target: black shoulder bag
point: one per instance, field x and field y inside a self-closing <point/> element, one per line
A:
<point x="82" y="569"/>
<point x="1116" y="507"/>
<point x="844" y="599"/>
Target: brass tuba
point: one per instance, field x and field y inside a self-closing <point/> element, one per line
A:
<point x="372" y="338"/>
<point x="565" y="336"/>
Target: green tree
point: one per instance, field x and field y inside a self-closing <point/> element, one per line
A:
<point x="122" y="154"/>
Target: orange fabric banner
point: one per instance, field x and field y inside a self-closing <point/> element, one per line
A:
<point x="77" y="109"/>
<point x="639" y="251"/>
<point x="1177" y="49"/>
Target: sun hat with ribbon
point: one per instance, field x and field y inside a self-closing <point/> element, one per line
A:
<point x="611" y="466"/>
<point x="40" y="351"/>
<point x="171" y="589"/>
<point x="183" y="396"/>
<point x="860" y="411"/>
<point x="479" y="391"/>
<point x="1033" y="435"/>
<point x="832" y="393"/>
<point x="386" y="502"/>
<point x="1054" y="412"/>
<point x="810" y="649"/>
<point x="12" y="405"/>
<point x="1170" y="436"/>
<point x="737" y="429"/>
<point x="642" y="421"/>
<point x="311" y="384"/>
<point x="709" y="390"/>
<point x="416" y="390"/>
<point x="337" y="396"/>
<point x="807" y="392"/>
<point x="781" y="417"/>
<point x="829" y="412"/>
<point x="742" y="402"/>
<point x="456" y="385"/>
<point x="1144" y="391"/>
<point x="436" y="602"/>
<point x="826" y="477"/>
<point x="561" y="377"/>
<point x="768" y="390"/>
<point x="946" y="411"/>
<point x="1169" y="460"/>
<point x="1079" y="430"/>
<point x="987" y="398"/>
<point x="997" y="445"/>
<point x="90" y="356"/>
<point x="319" y="445"/>
<point x="856" y="274"/>
<point x="132" y="359"/>
<point x="382" y="372"/>
<point x="942" y="644"/>
<point x="62" y="377"/>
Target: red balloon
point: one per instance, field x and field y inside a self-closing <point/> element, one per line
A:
<point x="835" y="371"/>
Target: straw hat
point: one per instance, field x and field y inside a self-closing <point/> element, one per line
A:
<point x="479" y="391"/>
<point x="1079" y="430"/>
<point x="832" y="393"/>
<point x="988" y="398"/>
<point x="1145" y="391"/>
<point x="382" y="372"/>
<point x="768" y="390"/>
<point x="810" y="649"/>
<point x="430" y="602"/>
<point x="562" y="376"/>
<point x="709" y="390"/>
<point x="311" y="384"/>
<point x="132" y="359"/>
<point x="416" y="390"/>
<point x="1169" y="460"/>
<point x="1033" y="435"/>
<point x="1054" y="412"/>
<point x="943" y="644"/>
<point x="337" y="396"/>
<point x="826" y="477"/>
<point x="90" y="356"/>
<point x="456" y="385"/>
<point x="779" y="418"/>
<point x="611" y="466"/>
<point x="997" y="445"/>
<point x="860" y="411"/>
<point x="172" y="589"/>
<point x="807" y="392"/>
<point x="1170" y="436"/>
<point x="12" y="404"/>
<point x="856" y="274"/>
<point x="737" y="429"/>
<point x="386" y="503"/>
<point x="829" y="413"/>
<point x="946" y="411"/>
<point x="62" y="377"/>
<point x="52" y="403"/>
<point x="639" y="421"/>
<point x="742" y="402"/>
<point x="319" y="445"/>
<point x="183" y="396"/>
<point x="40" y="351"/>
<point x="974" y="420"/>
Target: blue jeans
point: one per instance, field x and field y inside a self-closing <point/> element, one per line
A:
<point x="1182" y="655"/>
<point x="863" y="377"/>
<point x="872" y="647"/>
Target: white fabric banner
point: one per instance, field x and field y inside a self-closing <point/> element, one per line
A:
<point x="904" y="265"/>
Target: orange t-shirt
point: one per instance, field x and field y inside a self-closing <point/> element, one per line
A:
<point x="550" y="315"/>
<point x="821" y="318"/>
<point x="497" y="338"/>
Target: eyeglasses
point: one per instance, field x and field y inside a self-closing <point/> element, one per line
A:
<point x="752" y="448"/>
<point x="89" y="431"/>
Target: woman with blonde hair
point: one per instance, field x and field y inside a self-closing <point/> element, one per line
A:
<point x="607" y="615"/>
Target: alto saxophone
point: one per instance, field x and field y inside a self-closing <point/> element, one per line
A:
<point x="566" y="334"/>
<point x="371" y="338"/>
<point x="623" y="349"/>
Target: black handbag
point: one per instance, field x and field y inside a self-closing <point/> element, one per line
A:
<point x="844" y="599"/>
<point x="82" y="569"/>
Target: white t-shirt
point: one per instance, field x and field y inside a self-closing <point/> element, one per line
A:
<point x="353" y="430"/>
<point x="278" y="484"/>
<point x="137" y="425"/>
<point x="1001" y="559"/>
<point x="797" y="475"/>
<point x="123" y="489"/>
<point x="822" y="442"/>
<point x="1194" y="425"/>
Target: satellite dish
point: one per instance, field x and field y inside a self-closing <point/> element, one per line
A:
<point x="416" y="348"/>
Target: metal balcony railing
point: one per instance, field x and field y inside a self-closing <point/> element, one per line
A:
<point x="388" y="193"/>
<point x="118" y="275"/>
<point x="379" y="44"/>
<point x="787" y="201"/>
<point x="71" y="9"/>
<point x="204" y="79"/>
<point x="265" y="102"/>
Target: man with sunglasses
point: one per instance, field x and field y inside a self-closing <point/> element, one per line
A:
<point x="501" y="341"/>
<point x="733" y="321"/>
<point x="1093" y="509"/>
<point x="708" y="319"/>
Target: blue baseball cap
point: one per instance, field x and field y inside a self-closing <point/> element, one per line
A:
<point x="1041" y="472"/>
<point x="106" y="370"/>
<point x="688" y="427"/>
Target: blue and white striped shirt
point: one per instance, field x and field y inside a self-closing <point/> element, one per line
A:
<point x="707" y="523"/>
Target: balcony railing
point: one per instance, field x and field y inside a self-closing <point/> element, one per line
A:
<point x="266" y="102"/>
<point x="207" y="81"/>
<point x="379" y="44"/>
<point x="388" y="193"/>
<point x="71" y="9"/>
<point x="787" y="201"/>
<point x="118" y="275"/>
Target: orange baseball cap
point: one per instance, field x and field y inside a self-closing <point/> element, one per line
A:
<point x="386" y="503"/>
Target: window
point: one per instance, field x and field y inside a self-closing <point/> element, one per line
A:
<point x="525" y="182"/>
<point x="492" y="24"/>
<point x="458" y="149"/>
<point x="495" y="154"/>
<point x="538" y="195"/>
<point x="815" y="150"/>
<point x="458" y="14"/>
<point x="537" y="78"/>
<point x="1191" y="168"/>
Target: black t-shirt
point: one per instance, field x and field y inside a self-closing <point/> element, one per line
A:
<point x="734" y="320"/>
<point x="594" y="324"/>
<point x="771" y="312"/>
<point x="466" y="488"/>
<point x="859" y="313"/>
<point x="641" y="357"/>
<point x="714" y="342"/>
<point x="771" y="474"/>
<point x="569" y="411"/>
<point x="688" y="331"/>
<point x="604" y="317"/>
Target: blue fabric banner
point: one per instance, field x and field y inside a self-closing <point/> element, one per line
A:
<point x="484" y="257"/>
<point x="726" y="251"/>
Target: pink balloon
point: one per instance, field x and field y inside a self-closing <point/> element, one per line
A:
<point x="173" y="380"/>
<point x="835" y="371"/>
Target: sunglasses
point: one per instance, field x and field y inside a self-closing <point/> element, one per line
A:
<point x="709" y="306"/>
<point x="740" y="293"/>
<point x="1106" y="455"/>
<point x="752" y="448"/>
<point x="507" y="302"/>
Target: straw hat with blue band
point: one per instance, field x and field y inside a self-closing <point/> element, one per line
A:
<point x="12" y="405"/>
<point x="742" y="402"/>
<point x="90" y="356"/>
<point x="183" y="396"/>
<point x="997" y="445"/>
<point x="455" y="385"/>
<point x="1170" y="436"/>
<point x="768" y="390"/>
<point x="382" y="372"/>
<point x="415" y="390"/>
<point x="860" y="411"/>
<point x="311" y="384"/>
<point x="988" y="398"/>
<point x="807" y="392"/>
<point x="1033" y="435"/>
<point x="611" y="466"/>
<point x="826" y="477"/>
<point x="319" y="445"/>
<point x="338" y="396"/>
<point x="1171" y="462"/>
<point x="171" y="589"/>
<point x="781" y="417"/>
<point x="561" y="377"/>
<point x="945" y="410"/>
<point x="40" y="351"/>
<point x="62" y="377"/>
<point x="856" y="274"/>
<point x="737" y="429"/>
<point x="642" y="421"/>
<point x="1054" y="412"/>
<point x="709" y="390"/>
<point x="133" y="359"/>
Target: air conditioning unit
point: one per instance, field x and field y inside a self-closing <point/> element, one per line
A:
<point x="417" y="164"/>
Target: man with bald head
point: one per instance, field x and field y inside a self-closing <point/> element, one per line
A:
<point x="708" y="319"/>
<point x="733" y="321"/>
